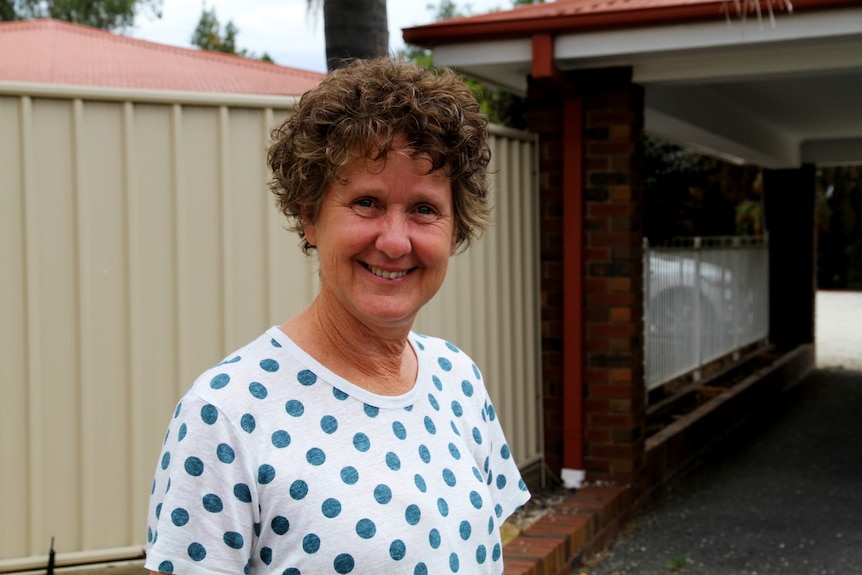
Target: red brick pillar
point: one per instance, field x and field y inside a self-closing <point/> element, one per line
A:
<point x="611" y="378"/>
<point x="614" y="392"/>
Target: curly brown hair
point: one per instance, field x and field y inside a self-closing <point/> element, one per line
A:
<point x="360" y="111"/>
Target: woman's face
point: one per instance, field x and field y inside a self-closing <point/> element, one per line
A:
<point x="384" y="239"/>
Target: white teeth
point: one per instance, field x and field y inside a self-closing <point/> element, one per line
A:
<point x="387" y="275"/>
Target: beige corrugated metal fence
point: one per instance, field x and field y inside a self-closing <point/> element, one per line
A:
<point x="138" y="245"/>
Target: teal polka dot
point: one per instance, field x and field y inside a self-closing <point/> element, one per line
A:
<point x="477" y="436"/>
<point x="338" y="394"/>
<point x="454" y="452"/>
<point x="476" y="499"/>
<point x="501" y="481"/>
<point x="393" y="462"/>
<point x="158" y="511"/>
<point x="399" y="430"/>
<point x="434" y="538"/>
<point x="421" y="569"/>
<point x="233" y="540"/>
<point x="382" y="494"/>
<point x="166" y="567"/>
<point x="412" y="514"/>
<point x="504" y="452"/>
<point x="420" y="483"/>
<point x="465" y="530"/>
<point x="213" y="503"/>
<point x="178" y="409"/>
<point x="452" y="347"/>
<point x="311" y="543"/>
<point x="481" y="554"/>
<point x="498" y="510"/>
<point x="343" y="563"/>
<point x="197" y="552"/>
<point x="361" y="442"/>
<point x="265" y="474"/>
<point x="454" y="563"/>
<point x="444" y="364"/>
<point x="247" y="423"/>
<point x="370" y="410"/>
<point x="183" y="431"/>
<point x="490" y="525"/>
<point x="437" y="383"/>
<point x="328" y="424"/>
<point x="315" y="456"/>
<point x="294" y="408"/>
<point x="220" y="381"/>
<point x="234" y="359"/>
<point x="194" y="466"/>
<point x="225" y="453"/>
<point x="424" y="454"/>
<point x="457" y="410"/>
<point x="497" y="552"/>
<point x="266" y="555"/>
<point x="179" y="516"/>
<point x="442" y="507"/>
<point x="476" y="372"/>
<point x="467" y="388"/>
<point x="492" y="413"/>
<point x="298" y="489"/>
<point x="242" y="492"/>
<point x="331" y="508"/>
<point x="280" y="525"/>
<point x="269" y="365"/>
<point x="306" y="377"/>
<point x="274" y="343"/>
<point x="281" y="439"/>
<point x="209" y="414"/>
<point x="429" y="425"/>
<point x="166" y="459"/>
<point x="349" y="475"/>
<point x="449" y="477"/>
<point x="366" y="528"/>
<point x="433" y="401"/>
<point x="397" y="550"/>
<point x="257" y="390"/>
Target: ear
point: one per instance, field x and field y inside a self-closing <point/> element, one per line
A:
<point x="454" y="245"/>
<point x="308" y="226"/>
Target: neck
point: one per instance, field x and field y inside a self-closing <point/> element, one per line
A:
<point x="377" y="359"/>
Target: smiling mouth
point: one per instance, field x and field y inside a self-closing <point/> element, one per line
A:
<point x="385" y="274"/>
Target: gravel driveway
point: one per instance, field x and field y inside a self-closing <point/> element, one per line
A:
<point x="784" y="494"/>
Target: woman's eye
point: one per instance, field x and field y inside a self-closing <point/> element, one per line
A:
<point x="426" y="211"/>
<point x="364" y="203"/>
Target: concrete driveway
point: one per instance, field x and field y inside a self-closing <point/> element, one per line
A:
<point x="784" y="494"/>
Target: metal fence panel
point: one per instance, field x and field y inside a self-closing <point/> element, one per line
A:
<point x="139" y="246"/>
<point x="703" y="299"/>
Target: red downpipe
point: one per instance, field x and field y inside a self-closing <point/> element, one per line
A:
<point x="573" y="294"/>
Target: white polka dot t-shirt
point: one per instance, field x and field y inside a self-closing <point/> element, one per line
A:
<point x="273" y="464"/>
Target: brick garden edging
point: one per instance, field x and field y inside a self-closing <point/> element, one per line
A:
<point x="592" y="516"/>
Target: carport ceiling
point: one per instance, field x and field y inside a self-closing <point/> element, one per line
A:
<point x="752" y="92"/>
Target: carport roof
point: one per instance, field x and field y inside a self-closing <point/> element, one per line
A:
<point x="55" y="52"/>
<point x="776" y="93"/>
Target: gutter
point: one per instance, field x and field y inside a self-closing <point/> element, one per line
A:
<point x="570" y="17"/>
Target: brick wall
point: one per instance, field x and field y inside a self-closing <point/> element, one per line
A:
<point x="613" y="388"/>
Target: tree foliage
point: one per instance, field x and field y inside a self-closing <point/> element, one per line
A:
<point x="209" y="35"/>
<point x="106" y="14"/>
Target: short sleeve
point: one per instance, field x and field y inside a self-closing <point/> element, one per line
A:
<point x="203" y="506"/>
<point x="508" y="489"/>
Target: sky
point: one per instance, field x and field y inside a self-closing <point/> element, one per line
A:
<point x="284" y="29"/>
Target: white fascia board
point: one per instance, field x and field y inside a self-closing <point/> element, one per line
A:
<point x="630" y="46"/>
<point x="504" y="63"/>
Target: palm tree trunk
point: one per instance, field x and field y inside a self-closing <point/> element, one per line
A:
<point x="354" y="29"/>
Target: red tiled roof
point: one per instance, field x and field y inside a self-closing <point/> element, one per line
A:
<point x="569" y="16"/>
<point x="54" y="52"/>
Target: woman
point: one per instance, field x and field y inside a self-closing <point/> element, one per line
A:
<point x="341" y="441"/>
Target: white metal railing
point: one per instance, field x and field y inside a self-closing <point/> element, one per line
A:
<point x="704" y="298"/>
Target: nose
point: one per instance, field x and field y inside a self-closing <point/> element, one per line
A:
<point x="394" y="236"/>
